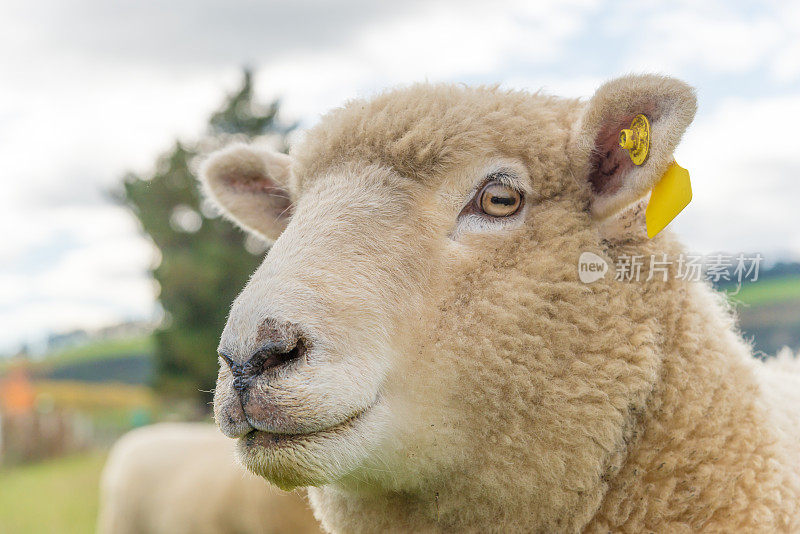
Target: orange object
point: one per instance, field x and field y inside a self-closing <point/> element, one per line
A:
<point x="16" y="393"/>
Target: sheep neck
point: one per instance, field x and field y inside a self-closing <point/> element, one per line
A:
<point x="702" y="416"/>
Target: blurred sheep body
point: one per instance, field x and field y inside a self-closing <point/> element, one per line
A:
<point x="174" y="478"/>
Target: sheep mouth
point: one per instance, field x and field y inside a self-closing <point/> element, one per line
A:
<point x="264" y="439"/>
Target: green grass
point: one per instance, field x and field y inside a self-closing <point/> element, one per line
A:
<point x="102" y="349"/>
<point x="96" y="350"/>
<point x="767" y="291"/>
<point x="51" y="496"/>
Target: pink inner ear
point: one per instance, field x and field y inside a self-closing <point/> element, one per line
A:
<point x="610" y="162"/>
<point x="280" y="201"/>
<point x="255" y="182"/>
<point x="248" y="179"/>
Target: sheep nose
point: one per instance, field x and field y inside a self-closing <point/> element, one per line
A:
<point x="282" y="346"/>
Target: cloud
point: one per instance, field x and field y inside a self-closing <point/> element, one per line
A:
<point x="70" y="144"/>
<point x="93" y="89"/>
<point x="194" y="32"/>
<point x="705" y="35"/>
<point x="746" y="177"/>
<point x="474" y="43"/>
<point x="696" y="38"/>
<point x="89" y="260"/>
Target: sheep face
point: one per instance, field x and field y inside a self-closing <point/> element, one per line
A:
<point x="419" y="317"/>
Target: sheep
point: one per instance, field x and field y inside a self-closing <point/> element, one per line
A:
<point x="182" y="478"/>
<point x="417" y="347"/>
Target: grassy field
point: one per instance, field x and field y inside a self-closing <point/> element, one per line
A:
<point x="113" y="408"/>
<point x="769" y="312"/>
<point x="126" y="360"/>
<point x="767" y="291"/>
<point x="92" y="397"/>
<point x="102" y="350"/>
<point x="96" y="350"/>
<point x="53" y="496"/>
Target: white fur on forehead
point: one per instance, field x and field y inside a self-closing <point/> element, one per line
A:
<point x="423" y="131"/>
<point x="669" y="104"/>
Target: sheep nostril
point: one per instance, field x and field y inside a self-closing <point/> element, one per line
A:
<point x="280" y="343"/>
<point x="274" y="355"/>
<point x="241" y="380"/>
<point x="232" y="364"/>
<point x="267" y="357"/>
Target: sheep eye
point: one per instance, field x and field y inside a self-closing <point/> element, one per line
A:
<point x="498" y="200"/>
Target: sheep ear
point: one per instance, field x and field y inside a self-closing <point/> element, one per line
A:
<point x="250" y="186"/>
<point x="616" y="182"/>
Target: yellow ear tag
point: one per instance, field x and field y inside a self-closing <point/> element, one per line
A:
<point x="636" y="139"/>
<point x="670" y="195"/>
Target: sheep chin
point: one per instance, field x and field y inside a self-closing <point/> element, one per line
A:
<point x="317" y="458"/>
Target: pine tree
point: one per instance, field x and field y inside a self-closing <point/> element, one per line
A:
<point x="204" y="261"/>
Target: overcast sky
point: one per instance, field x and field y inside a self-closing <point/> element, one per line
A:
<point x="90" y="89"/>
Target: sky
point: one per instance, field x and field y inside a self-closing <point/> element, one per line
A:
<point x="91" y="89"/>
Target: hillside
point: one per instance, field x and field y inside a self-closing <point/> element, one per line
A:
<point x="124" y="360"/>
<point x="769" y="311"/>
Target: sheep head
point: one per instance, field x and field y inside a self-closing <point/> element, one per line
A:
<point x="418" y="323"/>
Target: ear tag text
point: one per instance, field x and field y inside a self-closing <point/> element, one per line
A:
<point x="672" y="193"/>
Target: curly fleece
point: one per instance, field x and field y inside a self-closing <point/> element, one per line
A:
<point x="526" y="400"/>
